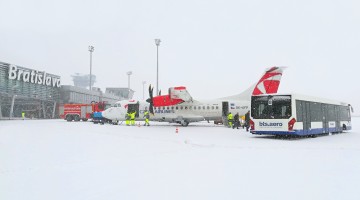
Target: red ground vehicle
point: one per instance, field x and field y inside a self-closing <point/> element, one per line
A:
<point x="78" y="112"/>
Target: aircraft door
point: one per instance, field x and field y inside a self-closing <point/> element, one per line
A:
<point x="225" y="111"/>
<point x="134" y="107"/>
<point x="225" y="108"/>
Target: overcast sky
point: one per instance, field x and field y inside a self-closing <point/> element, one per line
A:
<point x="214" y="48"/>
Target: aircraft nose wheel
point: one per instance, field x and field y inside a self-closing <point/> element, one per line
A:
<point x="184" y="123"/>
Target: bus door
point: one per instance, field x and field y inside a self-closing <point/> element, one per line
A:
<point x="306" y="117"/>
<point x="337" y="119"/>
<point x="134" y="107"/>
<point x="325" y="119"/>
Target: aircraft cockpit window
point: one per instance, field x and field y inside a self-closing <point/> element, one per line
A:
<point x="117" y="105"/>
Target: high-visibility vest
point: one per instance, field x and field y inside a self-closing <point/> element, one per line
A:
<point x="146" y="115"/>
<point x="127" y="116"/>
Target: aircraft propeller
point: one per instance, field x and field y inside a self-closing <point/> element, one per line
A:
<point x="150" y="100"/>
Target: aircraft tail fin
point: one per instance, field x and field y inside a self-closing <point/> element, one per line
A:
<point x="268" y="84"/>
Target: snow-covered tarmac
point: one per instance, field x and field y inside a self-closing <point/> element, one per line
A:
<point x="54" y="159"/>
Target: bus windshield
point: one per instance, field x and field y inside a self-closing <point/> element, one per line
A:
<point x="271" y="107"/>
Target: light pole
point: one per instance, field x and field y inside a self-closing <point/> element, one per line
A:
<point x="129" y="74"/>
<point x="157" y="42"/>
<point x="144" y="82"/>
<point x="91" y="49"/>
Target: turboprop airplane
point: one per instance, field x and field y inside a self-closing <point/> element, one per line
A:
<point x="179" y="107"/>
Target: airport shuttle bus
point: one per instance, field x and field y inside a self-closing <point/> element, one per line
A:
<point x="299" y="115"/>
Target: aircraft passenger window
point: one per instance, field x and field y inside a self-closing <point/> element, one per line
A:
<point x="181" y="107"/>
<point x="176" y="108"/>
<point x="163" y="108"/>
<point x="194" y="107"/>
<point x="212" y="107"/>
<point x="217" y="107"/>
<point x="199" y="107"/>
<point x="203" y="107"/>
<point x="190" y="107"/>
<point x="167" y="108"/>
<point x="172" y="108"/>
<point x="208" y="107"/>
<point x="185" y="107"/>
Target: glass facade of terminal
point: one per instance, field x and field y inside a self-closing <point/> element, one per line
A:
<point x="39" y="94"/>
<point x="26" y="89"/>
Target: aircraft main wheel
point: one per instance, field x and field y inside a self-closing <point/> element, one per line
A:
<point x="184" y="123"/>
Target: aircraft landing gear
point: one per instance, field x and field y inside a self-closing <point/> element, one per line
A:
<point x="184" y="123"/>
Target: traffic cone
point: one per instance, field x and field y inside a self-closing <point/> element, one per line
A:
<point x="177" y="130"/>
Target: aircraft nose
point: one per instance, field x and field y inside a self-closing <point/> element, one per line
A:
<point x="105" y="113"/>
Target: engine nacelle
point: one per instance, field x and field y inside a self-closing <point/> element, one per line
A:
<point x="179" y="93"/>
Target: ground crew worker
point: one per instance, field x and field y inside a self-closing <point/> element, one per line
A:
<point x="127" y="119"/>
<point x="247" y="120"/>
<point x="146" y="116"/>
<point x="133" y="118"/>
<point x="243" y="121"/>
<point x="236" y="121"/>
<point x="230" y="119"/>
<point x="23" y="115"/>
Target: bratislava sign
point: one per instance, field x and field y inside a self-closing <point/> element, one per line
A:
<point x="33" y="76"/>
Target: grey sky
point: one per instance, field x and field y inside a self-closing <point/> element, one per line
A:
<point x="215" y="48"/>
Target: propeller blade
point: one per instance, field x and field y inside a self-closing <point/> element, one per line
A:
<point x="150" y="99"/>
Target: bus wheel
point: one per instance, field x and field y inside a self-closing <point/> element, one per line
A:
<point x="84" y="119"/>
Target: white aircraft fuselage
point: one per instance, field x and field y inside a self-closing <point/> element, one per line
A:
<point x="179" y="107"/>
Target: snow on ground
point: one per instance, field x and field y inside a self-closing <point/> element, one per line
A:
<point x="55" y="159"/>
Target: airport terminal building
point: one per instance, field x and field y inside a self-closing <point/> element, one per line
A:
<point x="38" y="93"/>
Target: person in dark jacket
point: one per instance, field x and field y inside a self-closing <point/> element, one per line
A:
<point x="236" y="121"/>
<point x="247" y="120"/>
